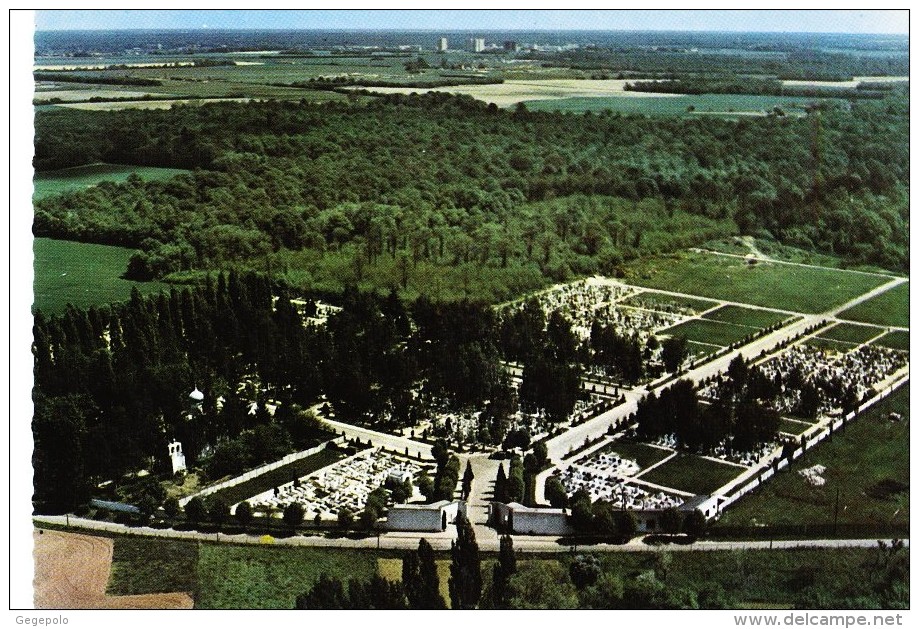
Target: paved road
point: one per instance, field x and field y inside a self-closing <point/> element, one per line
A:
<point x="441" y="541"/>
<point x="388" y="441"/>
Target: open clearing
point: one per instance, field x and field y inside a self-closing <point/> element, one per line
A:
<point x="851" y="333"/>
<point x="867" y="462"/>
<point x="746" y="316"/>
<point x="53" y="182"/>
<point x="850" y="84"/>
<point x="688" y="472"/>
<point x="83" y="95"/>
<point x="71" y="572"/>
<point x="148" y="104"/>
<point x="265" y="577"/>
<point x="795" y="288"/>
<point x="710" y="332"/>
<point x="889" y="308"/>
<point x="515" y="91"/>
<point x="726" y="105"/>
<point x="894" y="340"/>
<point x="82" y="274"/>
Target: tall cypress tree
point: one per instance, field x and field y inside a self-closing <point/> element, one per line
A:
<point x="428" y="582"/>
<point x="502" y="572"/>
<point x="466" y="568"/>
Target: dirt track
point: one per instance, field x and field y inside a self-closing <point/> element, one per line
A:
<point x="71" y="572"/>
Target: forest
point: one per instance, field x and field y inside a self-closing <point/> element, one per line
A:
<point x="404" y="190"/>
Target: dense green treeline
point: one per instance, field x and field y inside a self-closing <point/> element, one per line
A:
<point x="746" y="85"/>
<point x="776" y="59"/>
<point x="111" y="383"/>
<point x="449" y="180"/>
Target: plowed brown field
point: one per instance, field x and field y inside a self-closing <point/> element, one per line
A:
<point x="71" y="572"/>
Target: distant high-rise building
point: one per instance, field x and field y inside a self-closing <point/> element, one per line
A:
<point x="442" y="44"/>
<point x="476" y="44"/>
<point x="511" y="46"/>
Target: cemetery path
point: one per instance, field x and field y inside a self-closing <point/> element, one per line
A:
<point x="883" y="288"/>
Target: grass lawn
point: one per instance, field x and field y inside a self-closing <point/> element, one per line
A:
<point x="851" y="333"/>
<point x="144" y="565"/>
<point x="888" y="308"/>
<point x="700" y="350"/>
<point x="82" y="274"/>
<point x="691" y="473"/>
<point x="793" y="427"/>
<point x="279" y="476"/>
<point x="867" y="463"/>
<point x="712" y="332"/>
<point x="726" y="104"/>
<point x="263" y="577"/>
<point x="830" y="345"/>
<point x="894" y="340"/>
<point x="746" y="316"/>
<point x="391" y="570"/>
<point x="668" y="303"/>
<point x="69" y="179"/>
<point x="641" y="453"/>
<point x="799" y="289"/>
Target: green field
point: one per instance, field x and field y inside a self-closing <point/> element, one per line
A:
<point x="851" y="333"/>
<point x="643" y="454"/>
<point x="793" y="427"/>
<point x="688" y="472"/>
<point x="799" y="289"/>
<point x="700" y="350"/>
<point x="894" y="340"/>
<point x="712" y="332"/>
<point x="888" y="308"/>
<point x="148" y="566"/>
<point x="866" y="462"/>
<point x="746" y="316"/>
<point x="826" y="344"/>
<point x="668" y="303"/>
<point x="70" y="179"/>
<point x="82" y="274"/>
<point x="264" y="577"/>
<point x="724" y="104"/>
<point x="279" y="476"/>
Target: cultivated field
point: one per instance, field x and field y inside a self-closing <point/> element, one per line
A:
<point x="847" y="84"/>
<point x="888" y="308"/>
<point x="71" y="572"/>
<point x="867" y="462"/>
<point x="148" y="104"/>
<point x="53" y="182"/>
<point x="727" y="105"/>
<point x="82" y="274"/>
<point x="774" y="285"/>
<point x="515" y="91"/>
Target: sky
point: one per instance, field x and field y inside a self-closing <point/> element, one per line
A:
<point x="838" y="21"/>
